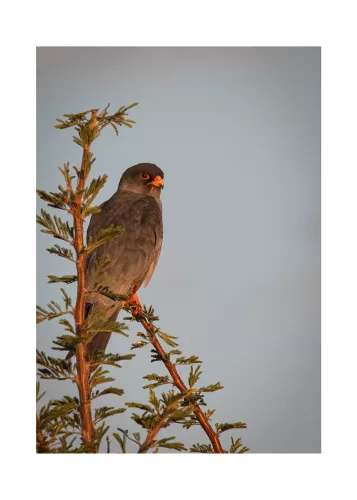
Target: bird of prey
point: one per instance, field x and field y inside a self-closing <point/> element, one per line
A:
<point x="131" y="255"/>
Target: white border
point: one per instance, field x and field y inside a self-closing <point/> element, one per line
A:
<point x="255" y="23"/>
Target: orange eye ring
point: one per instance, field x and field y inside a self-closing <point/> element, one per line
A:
<point x="144" y="176"/>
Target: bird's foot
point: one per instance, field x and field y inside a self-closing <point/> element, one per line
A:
<point x="135" y="305"/>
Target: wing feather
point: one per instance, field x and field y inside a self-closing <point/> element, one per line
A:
<point x="132" y="255"/>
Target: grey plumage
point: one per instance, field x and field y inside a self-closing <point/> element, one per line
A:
<point x="132" y="255"/>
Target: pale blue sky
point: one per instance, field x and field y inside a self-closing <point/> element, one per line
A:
<point x="237" y="133"/>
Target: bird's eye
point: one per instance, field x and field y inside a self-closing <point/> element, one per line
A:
<point x="144" y="175"/>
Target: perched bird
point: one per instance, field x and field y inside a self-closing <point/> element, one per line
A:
<point x="131" y="256"/>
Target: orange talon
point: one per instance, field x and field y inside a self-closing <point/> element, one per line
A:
<point x="134" y="300"/>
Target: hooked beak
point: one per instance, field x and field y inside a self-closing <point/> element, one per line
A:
<point x="157" y="182"/>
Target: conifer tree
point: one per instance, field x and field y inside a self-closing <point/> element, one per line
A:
<point x="69" y="424"/>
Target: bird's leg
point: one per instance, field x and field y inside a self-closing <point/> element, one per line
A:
<point x="134" y="301"/>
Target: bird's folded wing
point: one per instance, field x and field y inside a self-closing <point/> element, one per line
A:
<point x="129" y="258"/>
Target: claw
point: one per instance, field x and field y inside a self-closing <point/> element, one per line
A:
<point x="135" y="302"/>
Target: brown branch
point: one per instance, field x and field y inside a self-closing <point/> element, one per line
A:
<point x="178" y="382"/>
<point x="151" y="435"/>
<point x="83" y="368"/>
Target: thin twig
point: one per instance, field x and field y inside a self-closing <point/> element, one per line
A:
<point x="128" y="437"/>
<point x="151" y="435"/>
<point x="53" y="438"/>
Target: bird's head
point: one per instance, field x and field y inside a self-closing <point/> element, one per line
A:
<point x="143" y="178"/>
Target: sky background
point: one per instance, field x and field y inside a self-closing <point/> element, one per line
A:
<point x="237" y="133"/>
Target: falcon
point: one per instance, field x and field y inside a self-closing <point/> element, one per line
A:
<point x="128" y="260"/>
